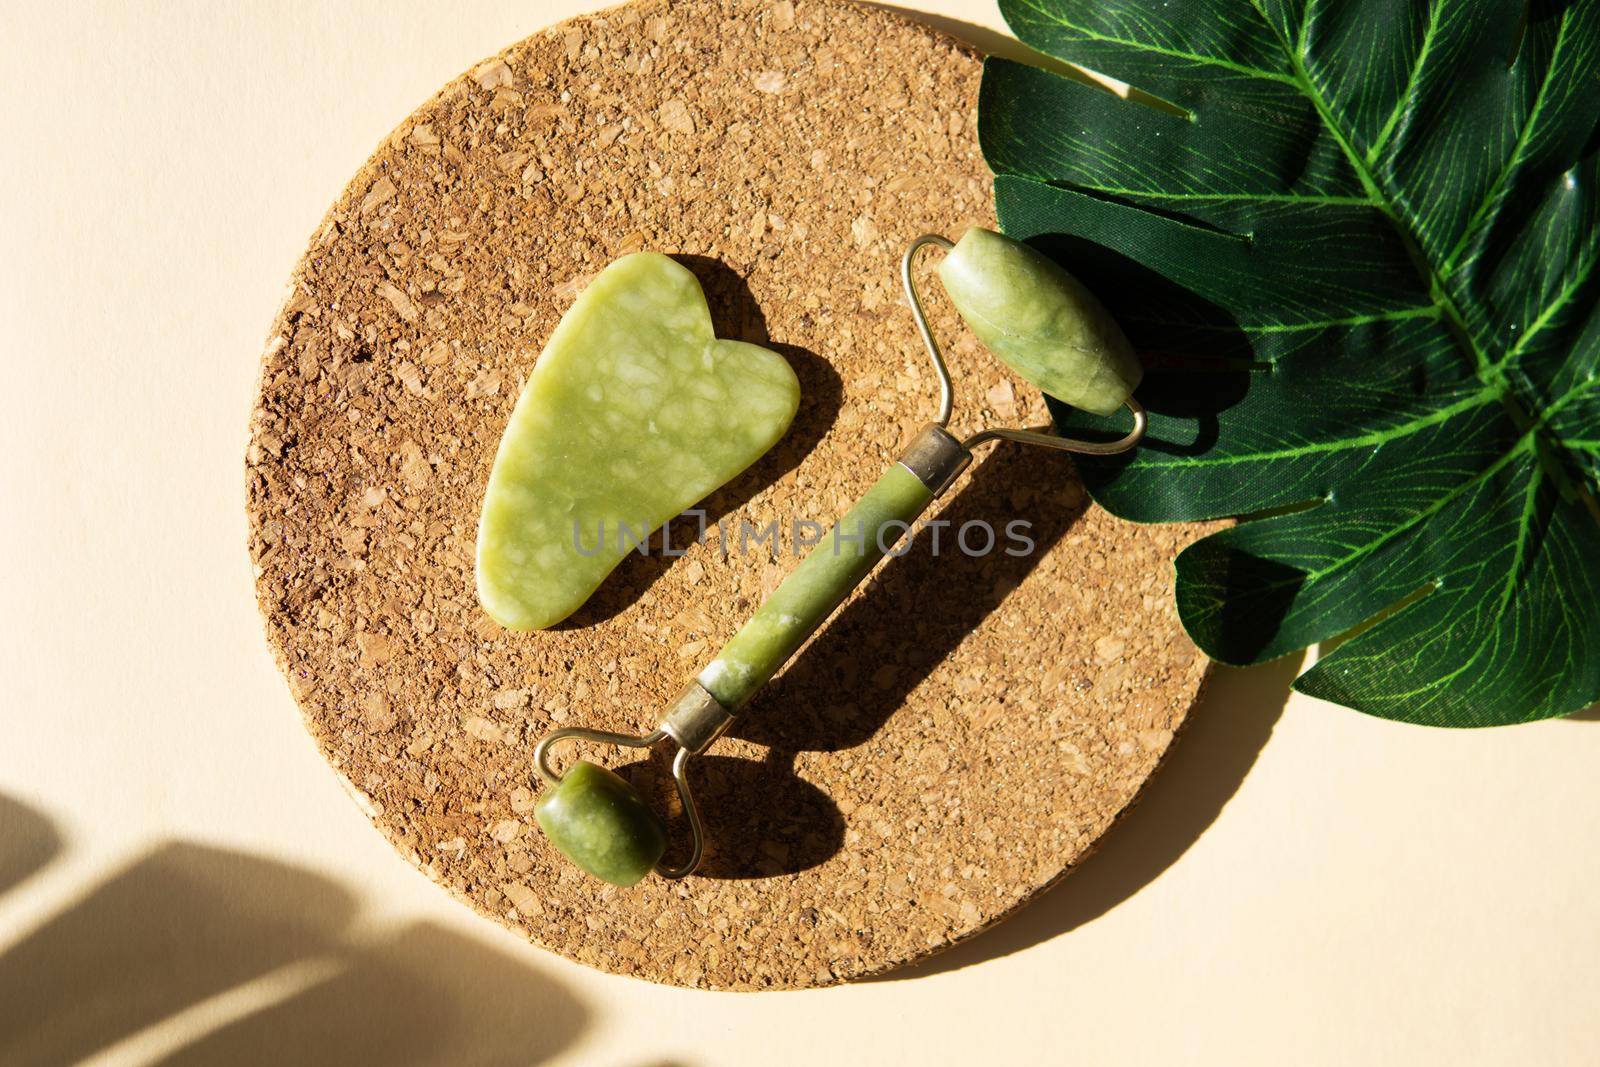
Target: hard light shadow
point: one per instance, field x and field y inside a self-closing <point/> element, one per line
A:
<point x="840" y="691"/>
<point x="179" y="925"/>
<point x="1198" y="362"/>
<point x="28" y="842"/>
<point x="761" y="819"/>
<point x="425" y="996"/>
<point x="185" y="923"/>
<point x="1588" y="714"/>
<point x="1257" y="594"/>
<point x="1210" y="759"/>
<point x="989" y="42"/>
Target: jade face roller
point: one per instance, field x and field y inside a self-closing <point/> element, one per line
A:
<point x="1037" y="319"/>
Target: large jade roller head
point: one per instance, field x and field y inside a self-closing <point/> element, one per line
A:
<point x="1043" y="324"/>
<point x="1040" y="321"/>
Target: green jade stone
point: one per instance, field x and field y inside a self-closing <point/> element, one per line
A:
<point x="634" y="411"/>
<point x="1040" y="321"/>
<point x="833" y="567"/>
<point x="600" y="822"/>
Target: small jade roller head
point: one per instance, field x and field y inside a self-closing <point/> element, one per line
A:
<point x="599" y="821"/>
<point x="602" y="824"/>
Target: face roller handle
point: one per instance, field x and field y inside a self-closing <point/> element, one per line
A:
<point x="1024" y="307"/>
<point x="833" y="567"/>
<point x="599" y="821"/>
<point x="1042" y="323"/>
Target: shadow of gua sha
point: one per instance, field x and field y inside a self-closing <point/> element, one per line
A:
<point x="736" y="315"/>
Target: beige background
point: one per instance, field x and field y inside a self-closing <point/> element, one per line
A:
<point x="180" y="874"/>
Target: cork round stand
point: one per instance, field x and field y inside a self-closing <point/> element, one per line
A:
<point x="951" y="743"/>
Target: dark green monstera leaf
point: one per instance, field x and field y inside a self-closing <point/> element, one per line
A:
<point x="1360" y="255"/>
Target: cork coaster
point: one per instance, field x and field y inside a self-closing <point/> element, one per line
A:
<point x="957" y="737"/>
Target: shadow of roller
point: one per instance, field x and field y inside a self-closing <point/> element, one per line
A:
<point x="842" y="690"/>
<point x="762" y="820"/>
<point x="185" y="923"/>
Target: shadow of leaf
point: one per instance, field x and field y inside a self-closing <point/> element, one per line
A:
<point x="425" y="996"/>
<point x="28" y="841"/>
<point x="1208" y="763"/>
<point x="186" y="922"/>
<point x="179" y="925"/>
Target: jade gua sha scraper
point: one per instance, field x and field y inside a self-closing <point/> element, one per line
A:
<point x="1041" y="322"/>
<point x="634" y="411"/>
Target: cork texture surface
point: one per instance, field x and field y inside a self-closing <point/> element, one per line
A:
<point x="964" y="729"/>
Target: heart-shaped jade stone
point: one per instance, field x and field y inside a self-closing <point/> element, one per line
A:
<point x="633" y="412"/>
